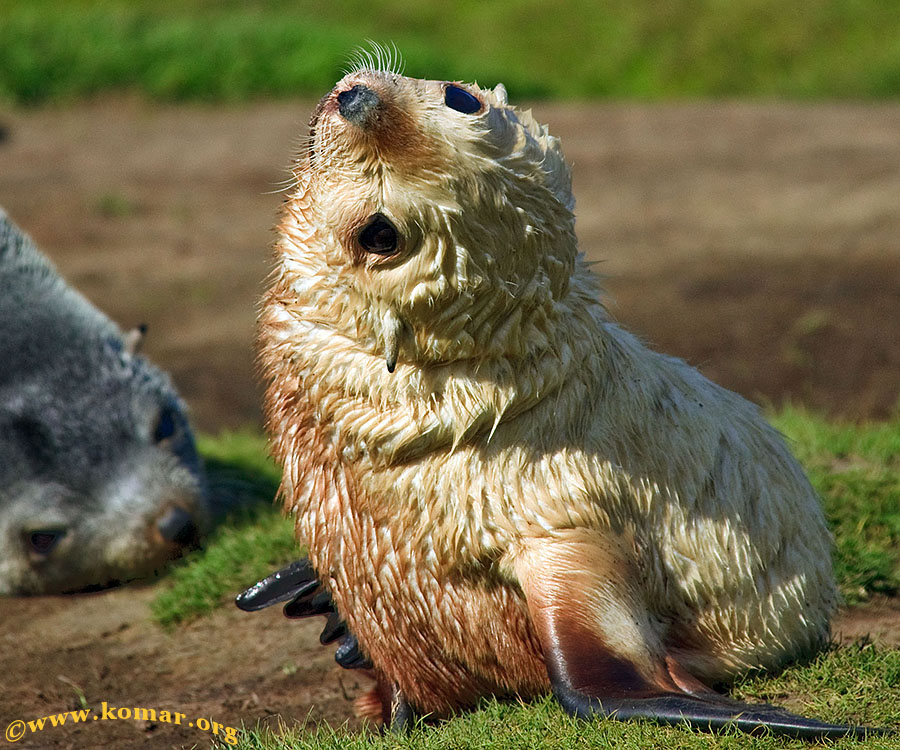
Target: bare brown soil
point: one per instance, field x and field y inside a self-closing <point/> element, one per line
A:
<point x="759" y="241"/>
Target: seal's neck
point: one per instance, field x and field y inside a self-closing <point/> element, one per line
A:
<point x="384" y="417"/>
<point x="471" y="355"/>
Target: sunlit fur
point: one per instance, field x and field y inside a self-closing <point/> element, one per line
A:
<point x="519" y="417"/>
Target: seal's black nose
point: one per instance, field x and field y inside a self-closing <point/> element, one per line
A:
<point x="357" y="105"/>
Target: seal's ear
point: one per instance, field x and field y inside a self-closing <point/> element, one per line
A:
<point x="135" y="338"/>
<point x="500" y="93"/>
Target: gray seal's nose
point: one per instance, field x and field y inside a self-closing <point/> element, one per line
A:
<point x="358" y="105"/>
<point x="177" y="526"/>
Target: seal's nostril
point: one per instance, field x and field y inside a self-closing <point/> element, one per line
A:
<point x="358" y="104"/>
<point x="177" y="526"/>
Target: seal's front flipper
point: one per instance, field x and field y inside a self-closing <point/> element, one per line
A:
<point x="296" y="580"/>
<point x="298" y="585"/>
<point x="604" y="656"/>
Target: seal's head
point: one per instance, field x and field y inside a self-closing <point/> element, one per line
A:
<point x="428" y="214"/>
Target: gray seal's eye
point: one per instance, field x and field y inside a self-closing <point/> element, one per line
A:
<point x="166" y="425"/>
<point x="42" y="541"/>
<point x="461" y="100"/>
<point x="379" y="236"/>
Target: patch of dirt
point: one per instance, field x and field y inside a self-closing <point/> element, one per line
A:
<point x="761" y="242"/>
<point x="233" y="668"/>
<point x="877" y="620"/>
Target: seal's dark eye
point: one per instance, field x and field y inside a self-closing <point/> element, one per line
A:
<point x="379" y="236"/>
<point x="165" y="426"/>
<point x="461" y="100"/>
<point x="43" y="541"/>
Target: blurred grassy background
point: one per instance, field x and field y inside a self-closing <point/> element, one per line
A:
<point x="60" y="50"/>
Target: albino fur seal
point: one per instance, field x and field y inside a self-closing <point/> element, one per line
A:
<point x="502" y="490"/>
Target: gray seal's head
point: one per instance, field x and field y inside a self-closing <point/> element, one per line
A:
<point x="100" y="480"/>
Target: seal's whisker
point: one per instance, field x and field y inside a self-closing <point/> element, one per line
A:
<point x="379" y="58"/>
<point x="290" y="181"/>
<point x="286" y="187"/>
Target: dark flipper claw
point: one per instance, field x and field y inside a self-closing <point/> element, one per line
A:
<point x="297" y="579"/>
<point x="402" y="715"/>
<point x="298" y="585"/>
<point x="310" y="603"/>
<point x="334" y="629"/>
<point x="397" y="715"/>
<point x="349" y="655"/>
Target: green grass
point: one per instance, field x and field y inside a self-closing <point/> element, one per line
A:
<point x="853" y="684"/>
<point x="59" y="50"/>
<point x="856" y="469"/>
<point x="859" y="683"/>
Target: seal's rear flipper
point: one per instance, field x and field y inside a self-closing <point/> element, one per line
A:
<point x="707" y="715"/>
<point x="604" y="655"/>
